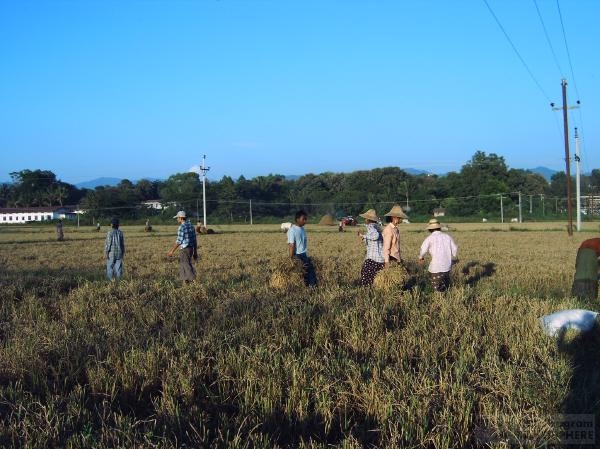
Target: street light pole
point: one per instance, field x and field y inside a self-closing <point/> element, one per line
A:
<point x="204" y="169"/>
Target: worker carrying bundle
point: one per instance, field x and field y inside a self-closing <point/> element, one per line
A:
<point x="585" y="282"/>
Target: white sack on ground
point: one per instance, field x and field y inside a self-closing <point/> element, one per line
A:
<point x="578" y="319"/>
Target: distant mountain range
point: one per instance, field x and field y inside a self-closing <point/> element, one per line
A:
<point x="98" y="182"/>
<point x="111" y="182"/>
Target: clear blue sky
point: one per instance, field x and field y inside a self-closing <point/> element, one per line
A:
<point x="134" y="89"/>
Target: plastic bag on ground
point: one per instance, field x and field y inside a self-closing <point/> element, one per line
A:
<point x="578" y="319"/>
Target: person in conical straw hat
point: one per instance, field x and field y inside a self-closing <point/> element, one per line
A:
<point x="443" y="251"/>
<point x="374" y="242"/>
<point x="391" y="236"/>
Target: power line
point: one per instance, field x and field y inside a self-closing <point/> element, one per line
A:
<point x="517" y="51"/>
<point x="548" y="38"/>
<point x="567" y="48"/>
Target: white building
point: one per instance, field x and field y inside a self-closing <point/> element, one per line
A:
<point x="33" y="214"/>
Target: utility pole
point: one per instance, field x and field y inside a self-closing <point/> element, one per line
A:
<point x="204" y="169"/>
<point x="501" y="210"/>
<point x="567" y="156"/>
<point x="250" y="212"/>
<point x="520" y="210"/>
<point x="578" y="180"/>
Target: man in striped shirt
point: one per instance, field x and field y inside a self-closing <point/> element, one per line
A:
<point x="114" y="248"/>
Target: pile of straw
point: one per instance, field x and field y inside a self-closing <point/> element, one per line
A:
<point x="390" y="278"/>
<point x="286" y="274"/>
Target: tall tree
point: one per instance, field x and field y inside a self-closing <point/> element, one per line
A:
<point x="32" y="187"/>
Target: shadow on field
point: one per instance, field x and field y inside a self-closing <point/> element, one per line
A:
<point x="584" y="388"/>
<point x="474" y="271"/>
<point x="46" y="281"/>
<point x="291" y="431"/>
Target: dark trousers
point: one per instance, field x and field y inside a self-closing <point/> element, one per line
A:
<point x="369" y="270"/>
<point x="186" y="267"/>
<point x="310" y="277"/>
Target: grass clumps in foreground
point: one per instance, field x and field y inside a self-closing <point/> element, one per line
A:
<point x="231" y="362"/>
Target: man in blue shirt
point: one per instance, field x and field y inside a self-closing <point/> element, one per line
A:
<point x="186" y="241"/>
<point x="296" y="238"/>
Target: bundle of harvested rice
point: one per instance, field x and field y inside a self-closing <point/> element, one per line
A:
<point x="390" y="278"/>
<point x="286" y="274"/>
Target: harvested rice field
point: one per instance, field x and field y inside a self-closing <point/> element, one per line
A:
<point x="247" y="357"/>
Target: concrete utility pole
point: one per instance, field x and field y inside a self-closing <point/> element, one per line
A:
<point x="578" y="180"/>
<point x="567" y="156"/>
<point x="501" y="211"/>
<point x="204" y="169"/>
<point x="520" y="209"/>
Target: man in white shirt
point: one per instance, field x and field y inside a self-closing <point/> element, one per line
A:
<point x="443" y="252"/>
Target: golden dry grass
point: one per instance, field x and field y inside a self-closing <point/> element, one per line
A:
<point x="230" y="361"/>
<point x="391" y="278"/>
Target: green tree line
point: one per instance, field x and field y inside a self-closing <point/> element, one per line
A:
<point x="476" y="191"/>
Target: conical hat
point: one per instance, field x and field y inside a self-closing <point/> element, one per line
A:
<point x="370" y="215"/>
<point x="396" y="212"/>
<point x="434" y="224"/>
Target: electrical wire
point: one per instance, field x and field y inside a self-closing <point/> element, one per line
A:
<point x="567" y="47"/>
<point x="548" y="39"/>
<point x="517" y="52"/>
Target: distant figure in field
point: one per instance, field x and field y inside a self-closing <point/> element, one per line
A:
<point x="443" y="253"/>
<point x="114" y="248"/>
<point x="297" y="247"/>
<point x="373" y="240"/>
<point x="60" y="236"/>
<point x="98" y="227"/>
<point x="188" y="248"/>
<point x="585" y="281"/>
<point x="148" y="227"/>
<point x="391" y="236"/>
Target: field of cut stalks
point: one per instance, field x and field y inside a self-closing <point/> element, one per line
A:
<point x="230" y="362"/>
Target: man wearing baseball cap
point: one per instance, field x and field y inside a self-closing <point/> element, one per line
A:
<point x="188" y="248"/>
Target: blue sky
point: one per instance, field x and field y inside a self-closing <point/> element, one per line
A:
<point x="134" y="89"/>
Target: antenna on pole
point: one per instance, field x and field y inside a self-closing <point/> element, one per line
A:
<point x="564" y="108"/>
<point x="204" y="169"/>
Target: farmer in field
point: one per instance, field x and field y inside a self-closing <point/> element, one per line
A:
<point x="297" y="246"/>
<point x="391" y="236"/>
<point x="373" y="240"/>
<point x="60" y="235"/>
<point x="114" y="249"/>
<point x="585" y="282"/>
<point x="443" y="253"/>
<point x="188" y="248"/>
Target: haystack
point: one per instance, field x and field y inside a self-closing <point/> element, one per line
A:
<point x="327" y="220"/>
<point x="286" y="274"/>
<point x="390" y="278"/>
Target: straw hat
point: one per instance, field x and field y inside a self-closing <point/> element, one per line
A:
<point x="370" y="215"/>
<point x="433" y="224"/>
<point x="180" y="214"/>
<point x="396" y="212"/>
